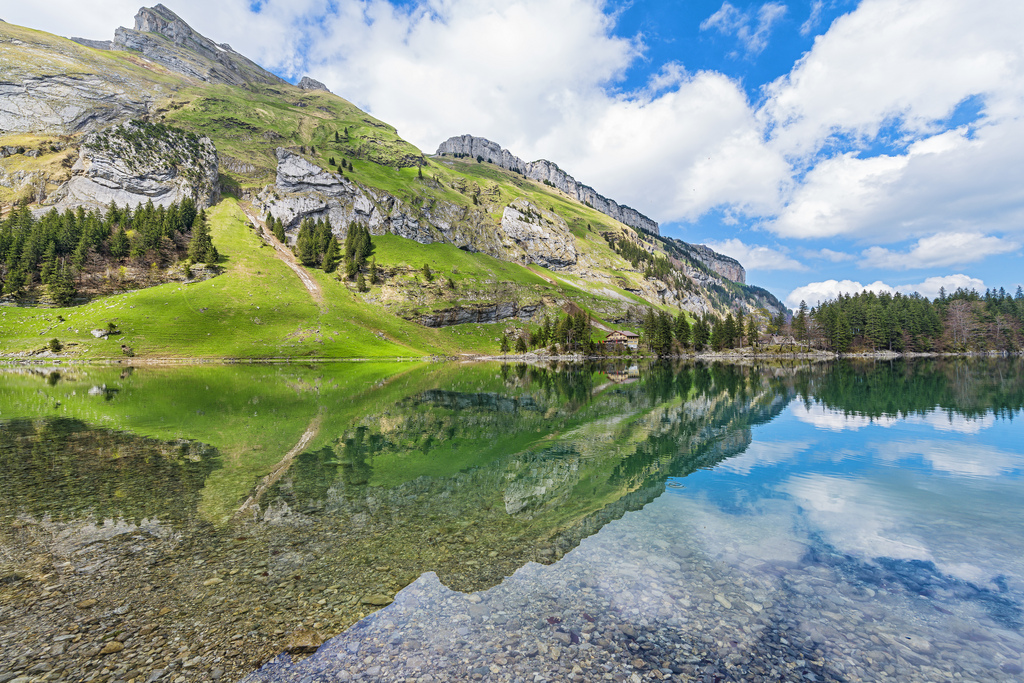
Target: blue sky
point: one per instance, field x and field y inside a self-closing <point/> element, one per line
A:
<point x="829" y="145"/>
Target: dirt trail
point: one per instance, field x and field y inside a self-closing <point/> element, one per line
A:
<point x="284" y="254"/>
<point x="280" y="468"/>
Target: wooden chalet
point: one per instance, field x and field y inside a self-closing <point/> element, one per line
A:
<point x="624" y="337"/>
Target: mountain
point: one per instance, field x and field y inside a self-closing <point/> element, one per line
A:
<point x="548" y="173"/>
<point x="161" y="113"/>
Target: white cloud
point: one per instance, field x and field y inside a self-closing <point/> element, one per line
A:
<point x="851" y="516"/>
<point x="829" y="255"/>
<point x="751" y="30"/>
<point x="756" y="257"/>
<point x="543" y="78"/>
<point x="947" y="249"/>
<point x="905" y="61"/>
<point x="816" y="292"/>
<point x="815" y="17"/>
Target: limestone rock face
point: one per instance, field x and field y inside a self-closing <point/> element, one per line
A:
<point x="543" y="237"/>
<point x="720" y="263"/>
<point x="481" y="313"/>
<point x="304" y="190"/>
<point x="546" y="171"/>
<point x="164" y="38"/>
<point x="135" y="163"/>
<point x="55" y="86"/>
<point x="308" y="83"/>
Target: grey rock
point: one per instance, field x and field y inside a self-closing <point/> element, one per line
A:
<point x="308" y="83"/>
<point x="544" y="237"/>
<point x="113" y="167"/>
<point x="164" y="38"/>
<point x="546" y="171"/>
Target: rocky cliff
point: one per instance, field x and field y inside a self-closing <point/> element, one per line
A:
<point x="164" y="38"/>
<point x="303" y="190"/>
<point x="51" y="85"/>
<point x="548" y="173"/>
<point x="135" y="163"/>
<point x="720" y="263"/>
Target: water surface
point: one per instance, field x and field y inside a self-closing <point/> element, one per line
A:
<point x="847" y="522"/>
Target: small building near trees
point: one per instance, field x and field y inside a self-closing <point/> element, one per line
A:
<point x="624" y="337"/>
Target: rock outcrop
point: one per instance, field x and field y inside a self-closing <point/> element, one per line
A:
<point x="164" y="38"/>
<point x="548" y="173"/>
<point x="543" y="236"/>
<point x="720" y="263"/>
<point x="135" y="163"/>
<point x="477" y="314"/>
<point x="52" y="85"/>
<point x="308" y="83"/>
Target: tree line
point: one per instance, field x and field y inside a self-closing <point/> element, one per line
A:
<point x="55" y="251"/>
<point x="962" y="321"/>
<point x="570" y="334"/>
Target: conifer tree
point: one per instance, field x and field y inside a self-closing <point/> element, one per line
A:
<point x="200" y="247"/>
<point x="331" y="256"/>
<point x="681" y="330"/>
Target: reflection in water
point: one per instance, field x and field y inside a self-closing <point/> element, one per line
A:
<point x="799" y="538"/>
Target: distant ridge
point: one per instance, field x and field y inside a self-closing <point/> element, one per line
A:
<point x="549" y="173"/>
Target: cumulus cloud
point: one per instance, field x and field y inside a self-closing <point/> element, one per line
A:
<point x="751" y="29"/>
<point x="816" y="292"/>
<point x="756" y="257"/>
<point x="544" y="78"/>
<point x="948" y="249"/>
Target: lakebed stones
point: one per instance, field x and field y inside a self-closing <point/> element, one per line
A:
<point x="612" y="610"/>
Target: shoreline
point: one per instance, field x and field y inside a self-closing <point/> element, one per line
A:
<point x="54" y="360"/>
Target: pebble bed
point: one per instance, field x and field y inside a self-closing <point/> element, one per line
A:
<point x="646" y="600"/>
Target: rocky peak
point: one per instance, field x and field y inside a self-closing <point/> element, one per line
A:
<point x="550" y="174"/>
<point x="163" y="37"/>
<point x="308" y="83"/>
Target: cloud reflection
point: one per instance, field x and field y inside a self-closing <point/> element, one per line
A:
<point x="764" y="454"/>
<point x="830" y="419"/>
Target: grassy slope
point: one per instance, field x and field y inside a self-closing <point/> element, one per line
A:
<point x="229" y="317"/>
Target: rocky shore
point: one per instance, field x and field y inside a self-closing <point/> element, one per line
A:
<point x="646" y="600"/>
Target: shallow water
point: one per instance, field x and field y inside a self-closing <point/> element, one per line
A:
<point x="851" y="522"/>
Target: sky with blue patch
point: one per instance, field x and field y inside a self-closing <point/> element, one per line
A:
<point x="829" y="145"/>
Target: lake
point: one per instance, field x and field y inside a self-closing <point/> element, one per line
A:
<point x="698" y="522"/>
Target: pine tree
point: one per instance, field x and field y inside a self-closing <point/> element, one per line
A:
<point x="752" y="331"/>
<point x="119" y="244"/>
<point x="505" y="347"/>
<point x="681" y="330"/>
<point x="305" y="244"/>
<point x="62" y="287"/>
<point x="800" y="327"/>
<point x="330" y="261"/>
<point x="200" y="247"/>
